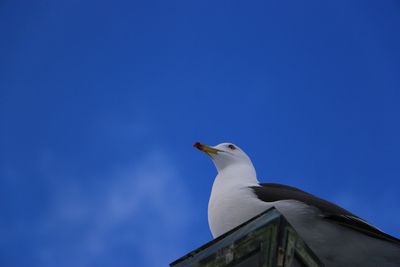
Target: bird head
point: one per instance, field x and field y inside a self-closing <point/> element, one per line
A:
<point x="225" y="155"/>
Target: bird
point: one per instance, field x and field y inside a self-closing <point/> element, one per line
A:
<point x="338" y="237"/>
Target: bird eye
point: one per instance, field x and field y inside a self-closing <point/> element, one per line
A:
<point x="232" y="147"/>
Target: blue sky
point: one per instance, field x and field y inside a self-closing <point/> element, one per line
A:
<point x="100" y="103"/>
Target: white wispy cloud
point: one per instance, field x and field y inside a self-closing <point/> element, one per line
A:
<point x="141" y="209"/>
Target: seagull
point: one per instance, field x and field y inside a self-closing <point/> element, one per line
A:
<point x="338" y="237"/>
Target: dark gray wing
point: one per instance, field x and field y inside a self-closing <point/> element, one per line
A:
<point x="270" y="192"/>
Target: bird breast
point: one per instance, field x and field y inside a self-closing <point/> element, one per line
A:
<point x="232" y="205"/>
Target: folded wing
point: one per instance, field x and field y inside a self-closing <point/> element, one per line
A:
<point x="270" y="192"/>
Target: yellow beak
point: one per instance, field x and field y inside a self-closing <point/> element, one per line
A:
<point x="206" y="149"/>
